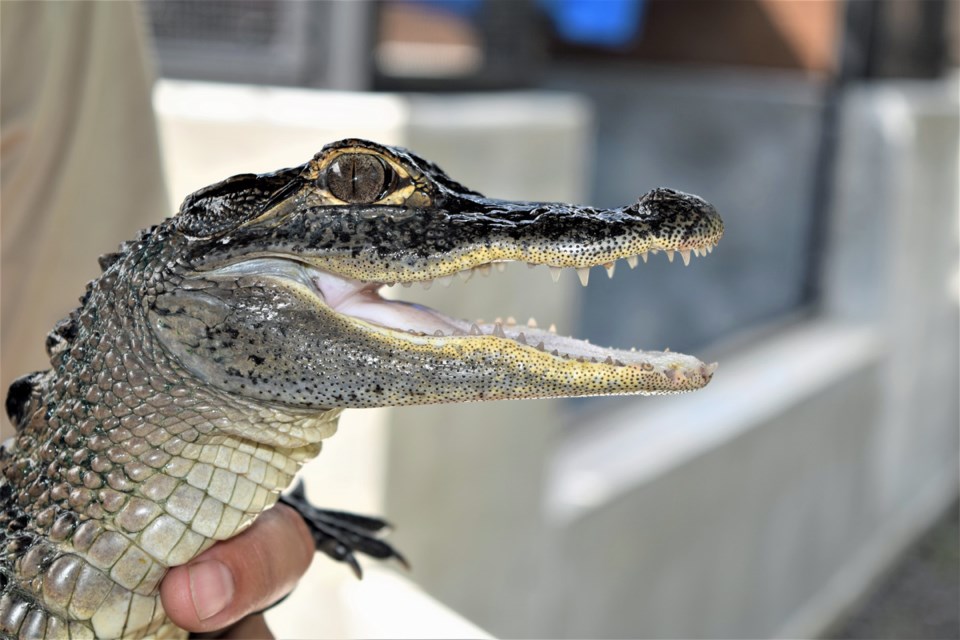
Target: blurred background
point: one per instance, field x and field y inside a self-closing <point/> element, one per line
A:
<point x="807" y="492"/>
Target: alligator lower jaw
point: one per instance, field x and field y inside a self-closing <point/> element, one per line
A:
<point x="362" y="304"/>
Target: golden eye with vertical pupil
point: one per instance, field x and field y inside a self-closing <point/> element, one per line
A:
<point x="359" y="178"/>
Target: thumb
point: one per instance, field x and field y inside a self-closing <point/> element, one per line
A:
<point x="241" y="575"/>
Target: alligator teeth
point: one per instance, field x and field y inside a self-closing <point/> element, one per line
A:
<point x="445" y="280"/>
<point x="484" y="269"/>
<point x="644" y="256"/>
<point x="632" y="262"/>
<point x="553" y="328"/>
<point x="670" y="253"/>
<point x="610" y="267"/>
<point x="584" y="274"/>
<point x="685" y="254"/>
<point x="511" y="321"/>
<point x="541" y="346"/>
<point x="501" y="266"/>
<point x="555" y="273"/>
<point x="498" y="330"/>
<point x="406" y="285"/>
<point x="426" y="284"/>
<point x="465" y="275"/>
<point x="532" y="323"/>
<point x="474" y="329"/>
<point x="522" y="338"/>
<point x="438" y="333"/>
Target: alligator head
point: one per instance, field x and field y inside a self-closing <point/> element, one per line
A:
<point x="280" y="276"/>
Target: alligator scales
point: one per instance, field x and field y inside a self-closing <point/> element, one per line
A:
<point x="215" y="352"/>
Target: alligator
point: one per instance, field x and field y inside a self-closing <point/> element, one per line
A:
<point x="216" y="351"/>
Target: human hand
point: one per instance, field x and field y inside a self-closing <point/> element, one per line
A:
<point x="234" y="578"/>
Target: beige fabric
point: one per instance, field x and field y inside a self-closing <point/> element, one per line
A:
<point x="79" y="160"/>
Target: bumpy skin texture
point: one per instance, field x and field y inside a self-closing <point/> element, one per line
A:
<point x="216" y="351"/>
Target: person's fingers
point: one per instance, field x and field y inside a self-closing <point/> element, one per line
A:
<point x="241" y="575"/>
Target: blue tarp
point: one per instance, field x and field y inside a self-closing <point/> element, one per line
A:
<point x="605" y="23"/>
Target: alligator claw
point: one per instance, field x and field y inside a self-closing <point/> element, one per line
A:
<point x="340" y="534"/>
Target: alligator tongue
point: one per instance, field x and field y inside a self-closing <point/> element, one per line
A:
<point x="363" y="301"/>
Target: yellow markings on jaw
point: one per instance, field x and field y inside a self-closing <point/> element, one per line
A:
<point x="481" y="257"/>
<point x="528" y="372"/>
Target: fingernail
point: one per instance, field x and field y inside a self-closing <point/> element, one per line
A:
<point x="211" y="587"/>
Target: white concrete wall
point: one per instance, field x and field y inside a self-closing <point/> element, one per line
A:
<point x="761" y="507"/>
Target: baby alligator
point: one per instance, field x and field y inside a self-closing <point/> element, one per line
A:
<point x="216" y="351"/>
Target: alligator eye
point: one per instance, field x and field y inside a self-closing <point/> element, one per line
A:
<point x="359" y="178"/>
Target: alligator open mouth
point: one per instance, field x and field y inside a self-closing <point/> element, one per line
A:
<point x="363" y="302"/>
<point x="301" y="313"/>
<point x="360" y="303"/>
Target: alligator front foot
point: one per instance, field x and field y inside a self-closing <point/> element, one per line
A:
<point x="339" y="534"/>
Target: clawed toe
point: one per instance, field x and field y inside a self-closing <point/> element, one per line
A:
<point x="340" y="534"/>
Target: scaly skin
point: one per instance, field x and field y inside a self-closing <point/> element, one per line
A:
<point x="215" y="352"/>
